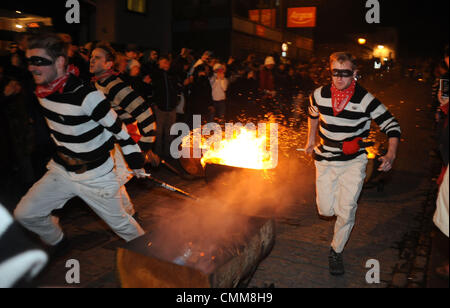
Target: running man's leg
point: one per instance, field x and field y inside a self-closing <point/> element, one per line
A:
<point x="34" y="210"/>
<point x="104" y="197"/>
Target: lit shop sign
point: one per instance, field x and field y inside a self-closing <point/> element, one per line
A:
<point x="302" y="17"/>
<point x="33" y="25"/>
<point x="266" y="17"/>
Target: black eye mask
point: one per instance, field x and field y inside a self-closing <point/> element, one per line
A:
<point x="342" y="73"/>
<point x="39" y="61"/>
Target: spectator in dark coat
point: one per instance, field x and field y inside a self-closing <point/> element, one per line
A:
<point x="166" y="89"/>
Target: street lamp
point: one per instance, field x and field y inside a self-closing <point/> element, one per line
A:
<point x="380" y="47"/>
<point x="284" y="49"/>
<point x="362" y="41"/>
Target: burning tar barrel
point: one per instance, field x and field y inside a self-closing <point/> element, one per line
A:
<point x="147" y="263"/>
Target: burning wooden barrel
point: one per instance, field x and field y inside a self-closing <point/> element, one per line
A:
<point x="146" y="263"/>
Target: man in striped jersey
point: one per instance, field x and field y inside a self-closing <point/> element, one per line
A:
<point x="132" y="109"/>
<point x="341" y="113"/>
<point x="84" y="129"/>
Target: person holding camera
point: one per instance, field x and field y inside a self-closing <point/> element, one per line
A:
<point x="219" y="85"/>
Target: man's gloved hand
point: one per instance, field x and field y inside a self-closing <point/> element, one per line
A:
<point x="140" y="173"/>
<point x="152" y="158"/>
<point x="351" y="147"/>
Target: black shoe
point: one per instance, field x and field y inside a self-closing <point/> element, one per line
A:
<point x="336" y="263"/>
<point x="59" y="250"/>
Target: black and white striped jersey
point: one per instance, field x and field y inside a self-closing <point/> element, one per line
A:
<point x="353" y="122"/>
<point x="84" y="126"/>
<point x="131" y="108"/>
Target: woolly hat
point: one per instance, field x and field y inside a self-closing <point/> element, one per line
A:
<point x="269" y="61"/>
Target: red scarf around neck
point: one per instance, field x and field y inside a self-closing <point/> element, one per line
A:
<point x="341" y="98"/>
<point x="105" y="75"/>
<point x="58" y="84"/>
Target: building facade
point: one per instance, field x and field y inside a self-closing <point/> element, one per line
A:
<point x="229" y="27"/>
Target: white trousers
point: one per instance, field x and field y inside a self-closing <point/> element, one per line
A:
<point x="441" y="216"/>
<point x="102" y="194"/>
<point x="124" y="175"/>
<point x="338" y="187"/>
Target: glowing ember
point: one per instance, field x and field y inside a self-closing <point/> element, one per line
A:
<point x="243" y="150"/>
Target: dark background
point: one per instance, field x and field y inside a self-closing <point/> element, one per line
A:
<point x="423" y="25"/>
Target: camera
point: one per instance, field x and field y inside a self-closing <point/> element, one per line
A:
<point x="444" y="87"/>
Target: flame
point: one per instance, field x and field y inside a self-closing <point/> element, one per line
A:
<point x="243" y="150"/>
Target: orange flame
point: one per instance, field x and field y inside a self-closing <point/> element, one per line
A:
<point x="243" y="150"/>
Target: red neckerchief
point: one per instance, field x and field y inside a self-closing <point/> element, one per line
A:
<point x="341" y="98"/>
<point x="57" y="85"/>
<point x="105" y="75"/>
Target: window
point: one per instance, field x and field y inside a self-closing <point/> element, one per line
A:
<point x="138" y="6"/>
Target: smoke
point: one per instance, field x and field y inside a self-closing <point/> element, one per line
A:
<point x="219" y="222"/>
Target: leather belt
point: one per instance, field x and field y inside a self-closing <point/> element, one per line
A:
<point x="79" y="166"/>
<point x="340" y="145"/>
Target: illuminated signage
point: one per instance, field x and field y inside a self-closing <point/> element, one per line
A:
<point x="33" y="25"/>
<point x="266" y="17"/>
<point x="302" y="17"/>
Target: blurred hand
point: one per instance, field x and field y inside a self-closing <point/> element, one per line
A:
<point x="310" y="148"/>
<point x="387" y="162"/>
<point x="147" y="79"/>
<point x="12" y="88"/>
<point x="140" y="173"/>
<point x="152" y="158"/>
<point x="437" y="117"/>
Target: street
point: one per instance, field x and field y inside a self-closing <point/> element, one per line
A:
<point x="393" y="226"/>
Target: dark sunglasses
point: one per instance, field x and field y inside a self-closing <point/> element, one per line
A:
<point x="342" y="73"/>
<point x="39" y="61"/>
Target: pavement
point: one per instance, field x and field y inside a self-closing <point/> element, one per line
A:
<point x="393" y="226"/>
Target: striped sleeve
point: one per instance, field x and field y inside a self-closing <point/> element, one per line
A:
<point x="135" y="107"/>
<point x="313" y="109"/>
<point x="99" y="109"/>
<point x="384" y="119"/>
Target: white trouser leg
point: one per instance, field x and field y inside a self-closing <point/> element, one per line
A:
<point x="339" y="186"/>
<point x="54" y="190"/>
<point x="124" y="175"/>
<point x="104" y="197"/>
<point x="34" y="210"/>
<point x="326" y="188"/>
<point x="126" y="201"/>
<point x="351" y="181"/>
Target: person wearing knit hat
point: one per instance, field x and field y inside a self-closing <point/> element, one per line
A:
<point x="267" y="79"/>
<point x="269" y="61"/>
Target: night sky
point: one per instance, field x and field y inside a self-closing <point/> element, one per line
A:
<point x="423" y="25"/>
